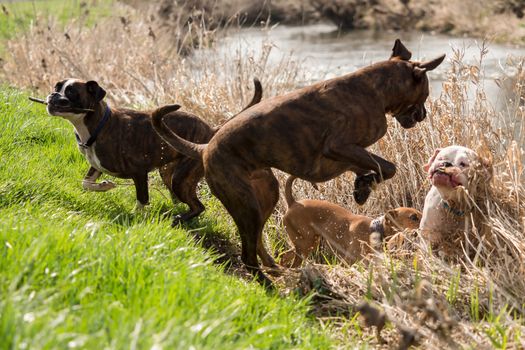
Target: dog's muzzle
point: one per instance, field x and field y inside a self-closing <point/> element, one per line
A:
<point x="58" y="103"/>
<point x="409" y="117"/>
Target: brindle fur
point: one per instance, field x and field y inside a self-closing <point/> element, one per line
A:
<point x="128" y="147"/>
<point x="315" y="133"/>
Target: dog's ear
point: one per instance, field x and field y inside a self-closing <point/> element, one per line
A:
<point x="487" y="168"/>
<point x="427" y="166"/>
<point x="95" y="90"/>
<point x="59" y="85"/>
<point x="400" y="51"/>
<point x="390" y="217"/>
<point x="432" y="64"/>
<point x="421" y="68"/>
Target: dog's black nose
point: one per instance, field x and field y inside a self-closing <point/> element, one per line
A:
<point x="447" y="164"/>
<point x="63" y="102"/>
<point x="59" y="100"/>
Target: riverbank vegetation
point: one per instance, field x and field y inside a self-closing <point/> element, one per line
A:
<point x="83" y="270"/>
<point x="500" y="20"/>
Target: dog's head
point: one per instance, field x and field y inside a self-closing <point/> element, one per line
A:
<point x="454" y="166"/>
<point x="402" y="218"/>
<point x="411" y="109"/>
<point x="71" y="97"/>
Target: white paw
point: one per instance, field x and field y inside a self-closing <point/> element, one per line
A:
<point x="98" y="187"/>
<point x="107" y="185"/>
<point x="139" y="207"/>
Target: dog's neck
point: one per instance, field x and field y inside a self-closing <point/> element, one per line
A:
<point x="453" y="203"/>
<point x="451" y="208"/>
<point x="85" y="124"/>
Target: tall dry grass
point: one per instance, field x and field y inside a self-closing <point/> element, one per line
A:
<point x="478" y="299"/>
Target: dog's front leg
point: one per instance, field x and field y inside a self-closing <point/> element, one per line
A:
<point x="89" y="183"/>
<point x="370" y="168"/>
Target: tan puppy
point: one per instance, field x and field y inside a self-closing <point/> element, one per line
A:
<point x="349" y="235"/>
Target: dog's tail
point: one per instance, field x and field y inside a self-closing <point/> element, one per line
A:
<point x="257" y="94"/>
<point x="288" y="195"/>
<point x="188" y="148"/>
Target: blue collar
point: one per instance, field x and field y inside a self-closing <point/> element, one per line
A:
<point x="454" y="211"/>
<point x="93" y="136"/>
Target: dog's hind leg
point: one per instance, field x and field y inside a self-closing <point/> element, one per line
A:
<point x="89" y="183"/>
<point x="236" y="193"/>
<point x="266" y="188"/>
<point x="141" y="189"/>
<point x="184" y="181"/>
<point x="304" y="242"/>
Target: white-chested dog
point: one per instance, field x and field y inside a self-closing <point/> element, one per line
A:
<point x="451" y="171"/>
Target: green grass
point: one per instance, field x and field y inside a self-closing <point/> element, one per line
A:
<point x="82" y="270"/>
<point x="16" y="17"/>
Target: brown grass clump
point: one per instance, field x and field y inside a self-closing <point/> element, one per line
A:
<point x="477" y="299"/>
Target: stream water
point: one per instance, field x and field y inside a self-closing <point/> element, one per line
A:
<point x="325" y="52"/>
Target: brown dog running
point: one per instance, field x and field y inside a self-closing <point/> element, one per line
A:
<point x="315" y="133"/>
<point x="121" y="142"/>
<point x="350" y="236"/>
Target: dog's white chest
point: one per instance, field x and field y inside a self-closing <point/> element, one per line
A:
<point x="91" y="157"/>
<point x="89" y="152"/>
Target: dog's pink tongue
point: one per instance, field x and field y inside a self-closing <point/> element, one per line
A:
<point x="442" y="179"/>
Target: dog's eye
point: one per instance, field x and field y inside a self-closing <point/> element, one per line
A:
<point x="58" y="86"/>
<point x="463" y="164"/>
<point x="414" y="217"/>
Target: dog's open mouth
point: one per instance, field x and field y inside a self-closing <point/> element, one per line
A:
<point x="411" y="116"/>
<point x="445" y="179"/>
<point x="406" y="121"/>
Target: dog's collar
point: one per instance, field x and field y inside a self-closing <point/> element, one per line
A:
<point x="377" y="226"/>
<point x="93" y="137"/>
<point x="454" y="211"/>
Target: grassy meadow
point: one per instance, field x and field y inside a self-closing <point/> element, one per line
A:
<point x="85" y="270"/>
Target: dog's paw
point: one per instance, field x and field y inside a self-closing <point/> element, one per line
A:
<point x="140" y="208"/>
<point x="107" y="185"/>
<point x="177" y="220"/>
<point x="98" y="186"/>
<point x="363" y="188"/>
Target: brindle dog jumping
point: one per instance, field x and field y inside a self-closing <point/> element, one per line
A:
<point x="315" y="133"/>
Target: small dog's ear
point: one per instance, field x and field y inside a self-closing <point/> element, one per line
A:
<point x="390" y="217"/>
<point x="427" y="166"/>
<point x="486" y="165"/>
<point x="400" y="51"/>
<point x="95" y="90"/>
